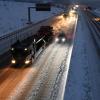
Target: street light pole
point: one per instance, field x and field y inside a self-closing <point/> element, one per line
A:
<point x="29" y="14"/>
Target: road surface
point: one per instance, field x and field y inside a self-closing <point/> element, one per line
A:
<point x="43" y="79"/>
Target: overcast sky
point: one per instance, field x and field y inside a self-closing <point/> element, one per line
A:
<point x="93" y="3"/>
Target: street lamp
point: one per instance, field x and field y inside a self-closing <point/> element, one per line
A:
<point x="76" y="6"/>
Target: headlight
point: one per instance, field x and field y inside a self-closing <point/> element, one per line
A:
<point x="76" y="6"/>
<point x="56" y="39"/>
<point x="13" y="61"/>
<point x="25" y="49"/>
<point x="72" y="11"/>
<point x="27" y="61"/>
<point x="63" y="39"/>
<point x="12" y="49"/>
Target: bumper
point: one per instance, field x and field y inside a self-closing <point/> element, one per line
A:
<point x="16" y="61"/>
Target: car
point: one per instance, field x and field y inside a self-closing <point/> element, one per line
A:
<point x="61" y="38"/>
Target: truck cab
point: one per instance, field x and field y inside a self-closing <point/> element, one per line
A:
<point x="22" y="53"/>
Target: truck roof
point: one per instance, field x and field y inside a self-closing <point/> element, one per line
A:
<point x="22" y="44"/>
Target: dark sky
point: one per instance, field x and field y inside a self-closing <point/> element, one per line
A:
<point x="93" y="3"/>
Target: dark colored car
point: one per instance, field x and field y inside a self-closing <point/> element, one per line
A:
<point x="61" y="38"/>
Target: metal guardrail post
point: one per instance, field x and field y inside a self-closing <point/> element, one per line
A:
<point x="34" y="46"/>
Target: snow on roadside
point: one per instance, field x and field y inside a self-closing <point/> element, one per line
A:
<point x="83" y="74"/>
<point x="13" y="15"/>
<point x="97" y="11"/>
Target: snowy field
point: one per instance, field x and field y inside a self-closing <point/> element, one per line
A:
<point x="84" y="73"/>
<point x="97" y="11"/>
<point x="13" y="15"/>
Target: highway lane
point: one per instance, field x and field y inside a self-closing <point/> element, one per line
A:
<point x="94" y="27"/>
<point x="38" y="81"/>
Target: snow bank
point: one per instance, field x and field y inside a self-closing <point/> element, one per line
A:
<point x="84" y="73"/>
<point x="97" y="11"/>
<point x="13" y="15"/>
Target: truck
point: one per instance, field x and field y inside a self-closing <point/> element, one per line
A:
<point x="26" y="51"/>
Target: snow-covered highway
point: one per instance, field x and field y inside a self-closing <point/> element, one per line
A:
<point x="44" y="79"/>
<point x="84" y="73"/>
<point x="68" y="68"/>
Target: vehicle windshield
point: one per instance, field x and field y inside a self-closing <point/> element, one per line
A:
<point x="61" y="35"/>
<point x="20" y="52"/>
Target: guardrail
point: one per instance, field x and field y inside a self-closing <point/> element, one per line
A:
<point x="7" y="40"/>
<point x="21" y="34"/>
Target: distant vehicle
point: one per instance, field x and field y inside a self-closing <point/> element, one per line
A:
<point x="61" y="38"/>
<point x="24" y="52"/>
<point x="97" y="19"/>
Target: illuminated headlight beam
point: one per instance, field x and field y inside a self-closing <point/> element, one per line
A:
<point x="25" y="49"/>
<point x="63" y="39"/>
<point x="76" y="6"/>
<point x="27" y="61"/>
<point x="13" y="61"/>
<point x="12" y="49"/>
<point x="56" y="39"/>
<point x="72" y="11"/>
